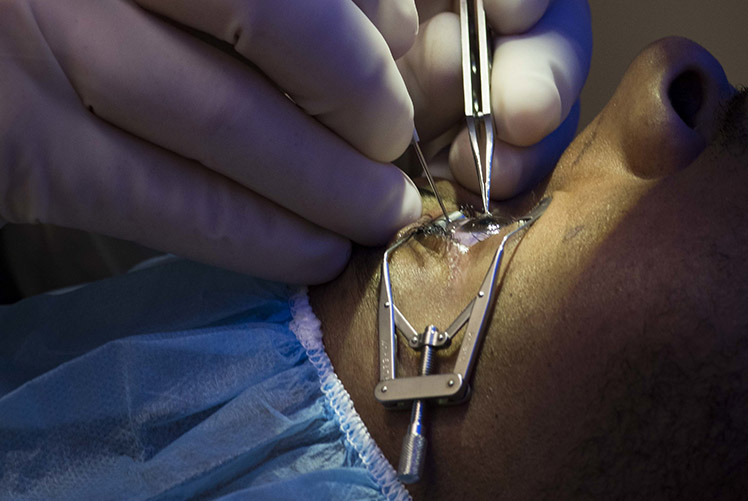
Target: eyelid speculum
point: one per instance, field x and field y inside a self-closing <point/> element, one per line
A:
<point x="449" y="388"/>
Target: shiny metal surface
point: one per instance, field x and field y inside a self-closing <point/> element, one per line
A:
<point x="427" y="171"/>
<point x="476" y="86"/>
<point x="449" y="388"/>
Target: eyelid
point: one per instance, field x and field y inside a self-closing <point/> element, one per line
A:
<point x="463" y="231"/>
<point x="421" y="221"/>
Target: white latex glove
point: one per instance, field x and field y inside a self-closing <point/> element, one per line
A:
<point x="119" y="121"/>
<point x="541" y="59"/>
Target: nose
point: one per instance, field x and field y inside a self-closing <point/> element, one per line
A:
<point x="666" y="108"/>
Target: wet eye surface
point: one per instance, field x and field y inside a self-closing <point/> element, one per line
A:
<point x="464" y="229"/>
<point x="459" y="231"/>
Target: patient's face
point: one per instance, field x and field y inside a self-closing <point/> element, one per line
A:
<point x="643" y="204"/>
<point x="622" y="311"/>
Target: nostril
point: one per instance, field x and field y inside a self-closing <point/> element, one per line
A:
<point x="686" y="94"/>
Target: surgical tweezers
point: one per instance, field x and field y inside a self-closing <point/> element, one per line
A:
<point x="476" y="84"/>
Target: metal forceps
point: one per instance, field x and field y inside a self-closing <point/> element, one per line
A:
<point x="476" y="84"/>
<point x="445" y="388"/>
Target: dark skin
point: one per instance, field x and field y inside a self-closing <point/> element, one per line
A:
<point x="616" y="362"/>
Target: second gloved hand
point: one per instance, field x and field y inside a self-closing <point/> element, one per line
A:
<point x="122" y="121"/>
<point x="542" y="52"/>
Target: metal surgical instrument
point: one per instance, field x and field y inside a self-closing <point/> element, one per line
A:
<point x="476" y="84"/>
<point x="449" y="388"/>
<point x="425" y="167"/>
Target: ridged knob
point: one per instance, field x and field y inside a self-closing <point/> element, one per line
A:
<point x="412" y="458"/>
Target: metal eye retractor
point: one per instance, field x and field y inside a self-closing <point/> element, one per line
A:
<point x="450" y="388"/>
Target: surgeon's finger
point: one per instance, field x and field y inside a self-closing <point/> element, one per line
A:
<point x="515" y="168"/>
<point x="325" y="54"/>
<point x="192" y="99"/>
<point x="88" y="175"/>
<point x="431" y="70"/>
<point x="508" y="17"/>
<point x="429" y="8"/>
<point x="538" y="76"/>
<point x="396" y="20"/>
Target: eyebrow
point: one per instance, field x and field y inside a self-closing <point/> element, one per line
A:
<point x="431" y="228"/>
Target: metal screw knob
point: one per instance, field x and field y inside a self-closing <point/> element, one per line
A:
<point x="412" y="457"/>
<point x="413" y="452"/>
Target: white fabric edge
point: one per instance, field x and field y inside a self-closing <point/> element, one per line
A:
<point x="306" y="326"/>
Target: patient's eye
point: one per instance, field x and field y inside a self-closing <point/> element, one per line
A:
<point x="465" y="228"/>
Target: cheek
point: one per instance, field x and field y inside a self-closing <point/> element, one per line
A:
<point x="558" y="283"/>
<point x="586" y="287"/>
<point x="588" y="159"/>
<point x="545" y="265"/>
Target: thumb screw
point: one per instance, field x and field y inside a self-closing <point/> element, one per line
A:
<point x="413" y="451"/>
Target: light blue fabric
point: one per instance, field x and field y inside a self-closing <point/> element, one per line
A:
<point x="172" y="382"/>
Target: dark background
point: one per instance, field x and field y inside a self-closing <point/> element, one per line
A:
<point x="621" y="28"/>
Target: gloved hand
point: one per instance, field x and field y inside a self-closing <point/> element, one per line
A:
<point x="542" y="52"/>
<point x="132" y="123"/>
